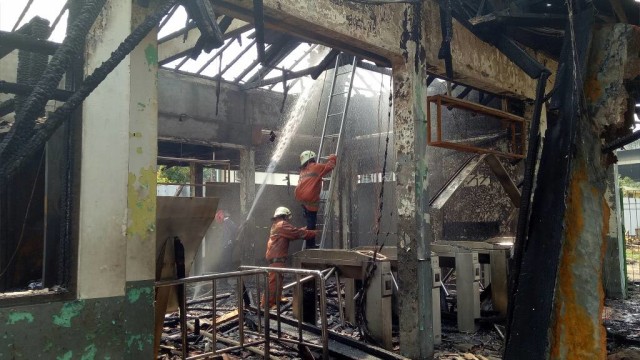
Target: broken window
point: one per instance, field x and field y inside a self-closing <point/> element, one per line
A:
<point x="35" y="202"/>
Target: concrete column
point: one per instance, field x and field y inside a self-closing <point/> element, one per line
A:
<point x="103" y="220"/>
<point x="143" y="153"/>
<point x="414" y="233"/>
<point x="614" y="278"/>
<point x="117" y="205"/>
<point x="247" y="197"/>
<point x="247" y="180"/>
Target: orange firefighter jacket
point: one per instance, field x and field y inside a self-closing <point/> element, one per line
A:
<point x="281" y="233"/>
<point x="310" y="183"/>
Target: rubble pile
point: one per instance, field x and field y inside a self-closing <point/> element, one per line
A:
<point x="486" y="344"/>
<point x="621" y="319"/>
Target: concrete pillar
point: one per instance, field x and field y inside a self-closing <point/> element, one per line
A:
<point x="414" y="233"/>
<point x="614" y="278"/>
<point x="143" y="153"/>
<point x="247" y="196"/>
<point x="117" y="203"/>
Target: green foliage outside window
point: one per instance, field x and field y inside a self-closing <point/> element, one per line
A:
<point x="173" y="174"/>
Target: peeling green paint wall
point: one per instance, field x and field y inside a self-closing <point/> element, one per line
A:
<point x="102" y="328"/>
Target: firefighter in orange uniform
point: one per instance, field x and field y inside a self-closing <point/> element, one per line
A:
<point x="278" y="247"/>
<point x="309" y="187"/>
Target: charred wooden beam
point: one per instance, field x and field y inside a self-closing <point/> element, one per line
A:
<point x="11" y="41"/>
<point x="464" y="93"/>
<point x="224" y="23"/>
<point x="531" y="66"/>
<point x="295" y="63"/>
<point x="371" y="67"/>
<point x="31" y="145"/>
<point x="325" y="63"/>
<point x="520" y="20"/>
<point x="20" y="89"/>
<point x="273" y="56"/>
<point x="172" y="48"/>
<point x="258" y="17"/>
<point x="7" y="107"/>
<point x="201" y="11"/>
<point x="176" y="34"/>
<point x="290" y="76"/>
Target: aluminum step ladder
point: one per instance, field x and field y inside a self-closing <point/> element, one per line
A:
<point x="332" y="130"/>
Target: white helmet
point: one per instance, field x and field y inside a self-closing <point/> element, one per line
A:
<point x="282" y="211"/>
<point x="306" y="156"/>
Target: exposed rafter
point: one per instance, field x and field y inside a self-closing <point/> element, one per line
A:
<point x="175" y="46"/>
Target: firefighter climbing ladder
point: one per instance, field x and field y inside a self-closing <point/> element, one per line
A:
<point x="330" y="142"/>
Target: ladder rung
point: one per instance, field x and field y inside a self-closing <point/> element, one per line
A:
<point x="326" y="179"/>
<point x="344" y="72"/>
<point x="340" y="113"/>
<point x="331" y="136"/>
<point x="340" y="93"/>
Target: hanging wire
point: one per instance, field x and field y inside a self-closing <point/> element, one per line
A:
<point x="361" y="297"/>
<point x="375" y="225"/>
<point x="26" y="215"/>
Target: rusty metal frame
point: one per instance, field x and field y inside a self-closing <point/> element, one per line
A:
<point x="258" y="272"/>
<point x="452" y="102"/>
<point x="321" y="284"/>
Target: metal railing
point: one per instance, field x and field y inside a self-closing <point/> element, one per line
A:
<point x="258" y="272"/>
<point x="240" y="289"/>
<point x="321" y="284"/>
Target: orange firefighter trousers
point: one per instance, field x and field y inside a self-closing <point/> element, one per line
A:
<point x="275" y="291"/>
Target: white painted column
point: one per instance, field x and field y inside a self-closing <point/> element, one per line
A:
<point x="116" y="227"/>
<point x="143" y="153"/>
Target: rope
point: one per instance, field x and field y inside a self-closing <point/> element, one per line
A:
<point x="361" y="297"/>
<point x="374" y="227"/>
